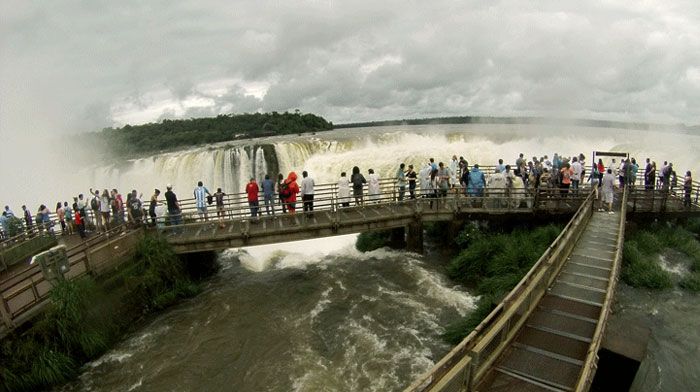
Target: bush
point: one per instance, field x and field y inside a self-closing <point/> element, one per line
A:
<point x="372" y="240"/>
<point x="495" y="263"/>
<point x="640" y="270"/>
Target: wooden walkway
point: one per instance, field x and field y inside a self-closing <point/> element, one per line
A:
<point x="550" y="351"/>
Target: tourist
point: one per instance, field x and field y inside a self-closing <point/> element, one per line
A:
<point x="4" y="226"/>
<point x="500" y="168"/>
<point x="174" y="212"/>
<point x="82" y="205"/>
<point x="46" y="219"/>
<point x="411" y="175"/>
<point x="576" y="173"/>
<point x="373" y="190"/>
<point x="433" y="165"/>
<point x="27" y="217"/>
<point x="344" y="190"/>
<point x="463" y="166"/>
<point x="434" y="186"/>
<point x="280" y="184"/>
<point x="601" y="172"/>
<point x="666" y="174"/>
<point x="358" y="181"/>
<point x="307" y="192"/>
<point x="662" y="173"/>
<point x="632" y="176"/>
<point x="95" y="207"/>
<point x="219" y="199"/>
<point x="545" y="180"/>
<point x="290" y="189"/>
<point x="594" y="179"/>
<point x="69" y="216"/>
<point x="9" y="212"/>
<point x="252" y="190"/>
<point x="268" y="188"/>
<point x="687" y="188"/>
<point x="454" y="165"/>
<point x="117" y="204"/>
<point x="105" y="208"/>
<point x="566" y="173"/>
<point x="556" y="163"/>
<point x="61" y="215"/>
<point x="401" y="181"/>
<point x="443" y="180"/>
<point x="80" y="222"/>
<point x="652" y="176"/>
<point x="200" y="197"/>
<point x="152" y="206"/>
<point x="135" y="208"/>
<point x="608" y="189"/>
<point x="648" y="181"/>
<point x="424" y="176"/>
<point x="464" y="180"/>
<point x="622" y="172"/>
<point x="476" y="182"/>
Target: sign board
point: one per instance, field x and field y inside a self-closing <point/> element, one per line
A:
<point x="53" y="262"/>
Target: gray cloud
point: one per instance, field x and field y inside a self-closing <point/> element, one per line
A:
<point x="70" y="66"/>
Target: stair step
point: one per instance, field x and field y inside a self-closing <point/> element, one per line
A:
<point x="597" y="283"/>
<point x="575" y="268"/>
<point x="566" y="306"/>
<point x="541" y="368"/>
<point x="556" y="321"/>
<point x="578" y="293"/>
<point x="569" y="349"/>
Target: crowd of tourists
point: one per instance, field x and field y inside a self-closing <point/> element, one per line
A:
<point x="102" y="210"/>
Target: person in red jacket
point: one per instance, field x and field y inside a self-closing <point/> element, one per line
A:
<point x="291" y="188"/>
<point x="252" y="190"/>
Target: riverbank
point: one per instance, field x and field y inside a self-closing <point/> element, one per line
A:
<point x="87" y="316"/>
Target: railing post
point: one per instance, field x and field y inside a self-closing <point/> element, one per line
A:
<point x="5" y="312"/>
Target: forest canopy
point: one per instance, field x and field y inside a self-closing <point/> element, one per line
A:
<point x="134" y="140"/>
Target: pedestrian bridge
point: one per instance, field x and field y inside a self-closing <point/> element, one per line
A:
<point x="545" y="333"/>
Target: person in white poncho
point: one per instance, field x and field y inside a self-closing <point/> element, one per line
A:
<point x="373" y="187"/>
<point x="344" y="190"/>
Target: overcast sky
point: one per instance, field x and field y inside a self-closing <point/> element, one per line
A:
<point x="68" y="66"/>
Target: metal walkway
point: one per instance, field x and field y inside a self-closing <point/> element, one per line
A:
<point x="549" y="352"/>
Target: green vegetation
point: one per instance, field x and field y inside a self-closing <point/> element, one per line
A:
<point x="371" y="240"/>
<point x="169" y="134"/>
<point x="85" y="317"/>
<point x="494" y="262"/>
<point x="642" y="249"/>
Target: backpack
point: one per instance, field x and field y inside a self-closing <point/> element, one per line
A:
<point x="93" y="204"/>
<point x="285" y="192"/>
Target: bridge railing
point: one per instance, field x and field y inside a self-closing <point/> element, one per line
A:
<point x="29" y="289"/>
<point x="591" y="362"/>
<point x="464" y="366"/>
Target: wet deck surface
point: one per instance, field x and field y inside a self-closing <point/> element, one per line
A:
<point x="550" y="350"/>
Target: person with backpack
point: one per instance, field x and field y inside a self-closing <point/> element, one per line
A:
<point x="289" y="191"/>
<point x="358" y="181"/>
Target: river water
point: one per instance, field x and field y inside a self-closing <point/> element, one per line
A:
<point x="318" y="315"/>
<point x="308" y="316"/>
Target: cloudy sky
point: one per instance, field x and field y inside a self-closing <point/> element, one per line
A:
<point x="68" y="66"/>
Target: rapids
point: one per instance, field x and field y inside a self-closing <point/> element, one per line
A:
<point x="306" y="316"/>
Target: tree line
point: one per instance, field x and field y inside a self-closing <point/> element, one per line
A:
<point x="135" y="140"/>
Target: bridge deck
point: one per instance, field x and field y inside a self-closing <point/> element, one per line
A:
<point x="551" y="348"/>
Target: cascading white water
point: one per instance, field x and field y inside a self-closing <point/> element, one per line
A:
<point x="327" y="154"/>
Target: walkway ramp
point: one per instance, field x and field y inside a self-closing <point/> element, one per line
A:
<point x="551" y="348"/>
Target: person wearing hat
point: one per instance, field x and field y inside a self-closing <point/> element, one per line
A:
<point x="173" y="206"/>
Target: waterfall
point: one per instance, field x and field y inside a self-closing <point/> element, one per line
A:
<point x="325" y="156"/>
